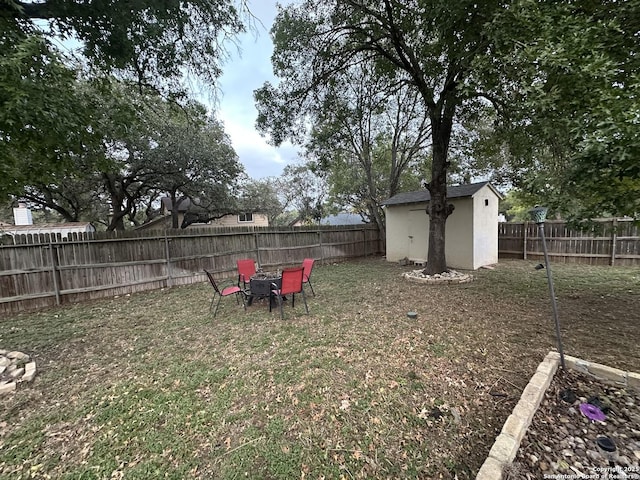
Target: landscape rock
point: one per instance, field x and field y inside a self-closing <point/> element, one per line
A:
<point x="566" y="440"/>
<point x="15" y="367"/>
<point x="448" y="277"/>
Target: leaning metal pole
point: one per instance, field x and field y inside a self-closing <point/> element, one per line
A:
<point x="539" y="214"/>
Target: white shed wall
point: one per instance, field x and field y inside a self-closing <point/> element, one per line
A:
<point x="485" y="228"/>
<point x="402" y="223"/>
<point x="459" y="235"/>
<point x="408" y="233"/>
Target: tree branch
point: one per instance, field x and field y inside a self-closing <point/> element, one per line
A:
<point x="35" y="10"/>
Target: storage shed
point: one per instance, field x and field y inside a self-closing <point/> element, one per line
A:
<point x="471" y="230"/>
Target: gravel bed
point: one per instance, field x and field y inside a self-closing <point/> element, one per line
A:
<point x="562" y="442"/>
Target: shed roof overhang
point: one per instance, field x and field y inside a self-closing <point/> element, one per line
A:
<point x="423" y="196"/>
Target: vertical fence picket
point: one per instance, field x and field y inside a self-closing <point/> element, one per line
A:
<point x="614" y="241"/>
<point x="257" y="247"/>
<point x="53" y="258"/>
<point x="168" y="257"/>
<point x="596" y="246"/>
<point x="50" y="270"/>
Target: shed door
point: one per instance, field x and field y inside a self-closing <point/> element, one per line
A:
<point x="418" y="234"/>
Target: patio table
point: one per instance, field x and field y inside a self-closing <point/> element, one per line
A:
<point x="260" y="285"/>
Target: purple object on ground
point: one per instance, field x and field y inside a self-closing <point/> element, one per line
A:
<point x="592" y="412"/>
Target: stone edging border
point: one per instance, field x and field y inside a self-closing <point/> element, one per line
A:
<point x="18" y="367"/>
<point x="466" y="278"/>
<point x="506" y="446"/>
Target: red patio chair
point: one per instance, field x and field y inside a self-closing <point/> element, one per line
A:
<point x="291" y="284"/>
<point x="246" y="270"/>
<point x="226" y="291"/>
<point x="307" y="264"/>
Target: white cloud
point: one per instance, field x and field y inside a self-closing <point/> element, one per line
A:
<point x="259" y="158"/>
<point x="244" y="73"/>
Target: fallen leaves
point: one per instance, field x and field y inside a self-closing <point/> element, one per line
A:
<point x="354" y="384"/>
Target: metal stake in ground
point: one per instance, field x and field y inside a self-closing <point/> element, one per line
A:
<point x="539" y="214"/>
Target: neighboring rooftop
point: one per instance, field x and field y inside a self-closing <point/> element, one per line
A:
<point x="64" y="229"/>
<point x="167" y="205"/>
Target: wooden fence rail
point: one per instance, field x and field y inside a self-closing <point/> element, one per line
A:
<point x="610" y="242"/>
<point x="38" y="271"/>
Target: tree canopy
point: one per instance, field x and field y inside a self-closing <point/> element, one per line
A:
<point x="47" y="122"/>
<point x="43" y="119"/>
<point x="571" y="126"/>
<point x="192" y="158"/>
<point x="153" y="42"/>
<point x="368" y="133"/>
<point x="148" y="148"/>
<point x="427" y="45"/>
<point x="558" y="80"/>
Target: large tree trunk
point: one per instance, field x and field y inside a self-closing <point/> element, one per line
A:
<point x="376" y="214"/>
<point x="438" y="209"/>
<point x="115" y="188"/>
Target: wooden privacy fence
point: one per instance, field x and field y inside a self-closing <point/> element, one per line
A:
<point x="41" y="270"/>
<point x="610" y="242"/>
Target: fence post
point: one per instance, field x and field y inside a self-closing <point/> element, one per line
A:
<point x="255" y="238"/>
<point x="166" y="252"/>
<point x="525" y="227"/>
<point x="54" y="272"/>
<point x="320" y="246"/>
<point x="614" y="240"/>
<point x="364" y="233"/>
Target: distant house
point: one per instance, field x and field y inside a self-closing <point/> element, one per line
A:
<point x="231" y="220"/>
<point x="471" y="230"/>
<point x="24" y="225"/>
<point x="64" y="229"/>
<point x="240" y="220"/>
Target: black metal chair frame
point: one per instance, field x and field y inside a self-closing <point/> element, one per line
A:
<point x="231" y="290"/>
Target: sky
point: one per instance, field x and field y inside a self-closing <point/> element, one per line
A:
<point x="243" y="73"/>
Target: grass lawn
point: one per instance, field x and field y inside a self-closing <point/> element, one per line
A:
<point x="151" y="386"/>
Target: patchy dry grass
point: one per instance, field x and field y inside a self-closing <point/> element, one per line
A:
<point x="150" y="386"/>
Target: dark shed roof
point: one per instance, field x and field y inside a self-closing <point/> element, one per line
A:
<point x="456" y="191"/>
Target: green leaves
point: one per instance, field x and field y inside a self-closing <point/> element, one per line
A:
<point x="572" y="103"/>
<point x="151" y="42"/>
<point x="188" y="156"/>
<point x="141" y="147"/>
<point x="363" y="124"/>
<point x="38" y="129"/>
<point x="44" y="119"/>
